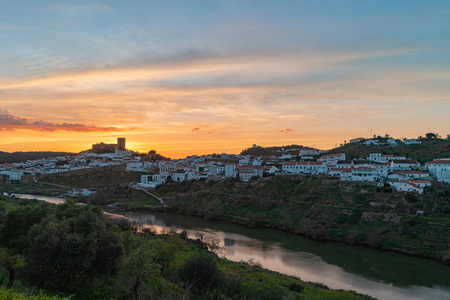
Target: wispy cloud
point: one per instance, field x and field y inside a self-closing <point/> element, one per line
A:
<point x="10" y="122"/>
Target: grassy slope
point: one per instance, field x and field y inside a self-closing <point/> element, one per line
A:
<point x="324" y="209"/>
<point x="111" y="184"/>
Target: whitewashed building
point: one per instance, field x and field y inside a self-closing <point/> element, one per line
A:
<point x="303" y="167"/>
<point x="440" y="168"/>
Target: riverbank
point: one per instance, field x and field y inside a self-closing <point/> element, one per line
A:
<point x="165" y="264"/>
<point x="321" y="209"/>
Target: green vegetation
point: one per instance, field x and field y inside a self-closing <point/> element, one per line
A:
<point x="275" y="150"/>
<point x="109" y="183"/>
<point x="72" y="251"/>
<point x="324" y="209"/>
<point x="428" y="150"/>
<point x="97" y="178"/>
<point x="14" y="157"/>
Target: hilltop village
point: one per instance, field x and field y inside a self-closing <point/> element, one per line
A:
<point x="399" y="172"/>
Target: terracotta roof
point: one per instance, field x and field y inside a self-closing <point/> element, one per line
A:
<point x="440" y="161"/>
<point x="415" y="181"/>
<point x="410" y="172"/>
<point x="340" y="170"/>
<point x="305" y="163"/>
<point x="364" y="168"/>
<point x="406" y="161"/>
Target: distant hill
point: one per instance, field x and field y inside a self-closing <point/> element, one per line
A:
<point x="429" y="149"/>
<point x="274" y="150"/>
<point x="15" y="157"/>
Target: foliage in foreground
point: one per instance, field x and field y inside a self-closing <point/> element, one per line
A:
<point x="73" y="249"/>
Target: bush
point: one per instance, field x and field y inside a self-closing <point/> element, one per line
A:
<point x="200" y="273"/>
<point x="71" y="246"/>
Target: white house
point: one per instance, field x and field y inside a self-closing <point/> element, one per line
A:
<point x="332" y="158"/>
<point x="404" y="164"/>
<point x="246" y="172"/>
<point x="12" y="175"/>
<point x="177" y="176"/>
<point x="309" y="152"/>
<point x="151" y="181"/>
<point x="411" y="175"/>
<point x="405" y="187"/>
<point x="303" y="167"/>
<point x="357" y="140"/>
<point x="230" y="170"/>
<point x="364" y="173"/>
<point x="372" y="142"/>
<point x="341" y="172"/>
<point x="418" y="183"/>
<point x="440" y="168"/>
<point x="382" y="158"/>
<point x="244" y="161"/>
<point x="285" y="156"/>
<point x="382" y="169"/>
<point x="392" y="142"/>
<point x="345" y="164"/>
<point x="411" y="142"/>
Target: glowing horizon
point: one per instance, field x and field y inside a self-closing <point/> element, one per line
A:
<point x="211" y="77"/>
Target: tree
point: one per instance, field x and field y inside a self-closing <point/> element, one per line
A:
<point x="71" y="246"/>
<point x="18" y="223"/>
<point x="431" y="135"/>
<point x="140" y="267"/>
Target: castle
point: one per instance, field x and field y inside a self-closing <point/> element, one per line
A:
<point x="102" y="147"/>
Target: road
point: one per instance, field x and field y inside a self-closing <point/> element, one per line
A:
<point x="54" y="184"/>
<point x="161" y="201"/>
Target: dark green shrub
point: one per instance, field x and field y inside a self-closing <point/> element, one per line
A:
<point x="200" y="273"/>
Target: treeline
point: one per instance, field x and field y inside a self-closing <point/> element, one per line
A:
<point x="16" y="157"/>
<point x="72" y="249"/>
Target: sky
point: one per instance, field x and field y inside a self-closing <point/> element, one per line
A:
<point x="199" y="77"/>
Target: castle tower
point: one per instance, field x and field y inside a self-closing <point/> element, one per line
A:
<point x="121" y="144"/>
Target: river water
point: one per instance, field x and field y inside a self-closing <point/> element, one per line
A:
<point x="54" y="200"/>
<point x="381" y="274"/>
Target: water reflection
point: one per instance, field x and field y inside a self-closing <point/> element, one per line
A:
<point x="381" y="274"/>
<point x="54" y="200"/>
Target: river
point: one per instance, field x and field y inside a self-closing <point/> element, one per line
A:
<point x="381" y="274"/>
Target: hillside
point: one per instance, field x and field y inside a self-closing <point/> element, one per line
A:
<point x="324" y="209"/>
<point x="274" y="150"/>
<point x="15" y="157"/>
<point x="429" y="149"/>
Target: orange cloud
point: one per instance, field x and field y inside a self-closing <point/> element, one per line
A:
<point x="287" y="130"/>
<point x="10" y="122"/>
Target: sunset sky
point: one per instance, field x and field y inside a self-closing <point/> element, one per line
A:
<point x="196" y="77"/>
